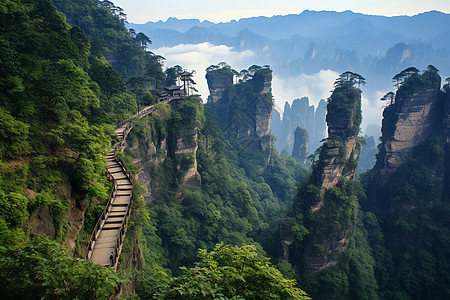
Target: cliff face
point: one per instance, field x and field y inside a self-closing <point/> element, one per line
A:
<point x="325" y="204"/>
<point x="340" y="150"/>
<point x="300" y="148"/>
<point x="244" y="110"/>
<point x="185" y="153"/>
<point x="165" y="138"/>
<point x="299" y="114"/>
<point x="409" y="121"/>
<point x="218" y="81"/>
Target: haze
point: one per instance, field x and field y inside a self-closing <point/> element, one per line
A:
<point x="141" y="11"/>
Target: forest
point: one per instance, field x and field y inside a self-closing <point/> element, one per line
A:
<point x="217" y="212"/>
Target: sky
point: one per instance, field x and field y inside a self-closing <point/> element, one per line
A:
<point x="141" y="11"/>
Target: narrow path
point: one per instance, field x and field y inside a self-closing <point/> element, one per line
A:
<point x="109" y="232"/>
<point x="110" y="229"/>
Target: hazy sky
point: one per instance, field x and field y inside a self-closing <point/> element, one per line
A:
<point x="141" y="11"/>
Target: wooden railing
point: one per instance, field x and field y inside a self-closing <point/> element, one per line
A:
<point x="123" y="227"/>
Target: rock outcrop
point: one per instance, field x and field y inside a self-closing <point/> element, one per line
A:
<point x="185" y="153"/>
<point x="218" y="82"/>
<point x="299" y="114"/>
<point x="327" y="196"/>
<point x="244" y="110"/>
<point x="339" y="153"/>
<point x="411" y="119"/>
<point x="164" y="139"/>
<point x="300" y="148"/>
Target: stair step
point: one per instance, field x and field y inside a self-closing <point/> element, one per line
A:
<point x="111" y="226"/>
<point x="117" y="214"/>
<point x="111" y="219"/>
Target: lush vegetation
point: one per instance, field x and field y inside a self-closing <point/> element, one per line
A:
<point x="62" y="89"/>
<point x="43" y="269"/>
<point x="58" y="104"/>
<point x="229" y="206"/>
<point x="232" y="273"/>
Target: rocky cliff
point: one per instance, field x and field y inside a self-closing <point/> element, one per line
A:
<point x="218" y="82"/>
<point x="409" y="192"/>
<point x="412" y="118"/>
<point x="244" y="110"/>
<point x="299" y="114"/>
<point x="339" y="154"/>
<point x="300" y="148"/>
<point x="166" y="139"/>
<point x="325" y="203"/>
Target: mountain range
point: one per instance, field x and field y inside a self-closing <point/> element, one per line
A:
<point x="377" y="47"/>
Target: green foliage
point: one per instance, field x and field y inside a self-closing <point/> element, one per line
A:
<point x="107" y="34"/>
<point x="13" y="209"/>
<point x="42" y="268"/>
<point x="189" y="114"/>
<point x="343" y="101"/>
<point x="109" y="81"/>
<point x="232" y="273"/>
<point x="13" y="136"/>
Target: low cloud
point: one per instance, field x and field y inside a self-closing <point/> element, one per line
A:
<point x="200" y="56"/>
<point x="372" y="109"/>
<point x="316" y="86"/>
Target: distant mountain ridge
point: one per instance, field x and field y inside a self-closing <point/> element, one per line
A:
<point x="375" y="46"/>
<point x="311" y="24"/>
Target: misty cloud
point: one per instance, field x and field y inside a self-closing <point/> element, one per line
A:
<point x="200" y="56"/>
<point x="316" y="86"/>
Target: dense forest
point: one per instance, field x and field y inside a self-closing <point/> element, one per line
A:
<point x="217" y="212"/>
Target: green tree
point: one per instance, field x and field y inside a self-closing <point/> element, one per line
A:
<point x="42" y="269"/>
<point x="232" y="272"/>
<point x="143" y="40"/>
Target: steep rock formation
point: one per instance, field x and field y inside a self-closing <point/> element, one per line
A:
<point x="324" y="204"/>
<point x="340" y="148"/>
<point x="409" y="121"/>
<point x="299" y="114"/>
<point x="244" y="110"/>
<point x="300" y="148"/>
<point x="185" y="153"/>
<point x="218" y="81"/>
<point x="169" y="133"/>
<point x="155" y="150"/>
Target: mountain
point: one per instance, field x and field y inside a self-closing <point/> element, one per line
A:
<point x="320" y="40"/>
<point x="299" y="114"/>
<point x="408" y="189"/>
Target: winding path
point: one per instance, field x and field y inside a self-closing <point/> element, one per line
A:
<point x="109" y="232"/>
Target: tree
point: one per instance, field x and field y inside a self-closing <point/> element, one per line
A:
<point x="388" y="97"/>
<point x="232" y="272"/>
<point x="348" y="79"/>
<point x="136" y="84"/>
<point x="171" y="76"/>
<point x="143" y="40"/>
<point x="245" y="75"/>
<point x="43" y="270"/>
<point x="154" y="71"/>
<point x="132" y="32"/>
<point x="404" y="75"/>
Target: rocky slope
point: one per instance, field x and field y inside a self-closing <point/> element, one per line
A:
<point x="152" y="146"/>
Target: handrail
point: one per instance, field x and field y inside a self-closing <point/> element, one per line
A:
<point x="99" y="221"/>
<point x="115" y="149"/>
